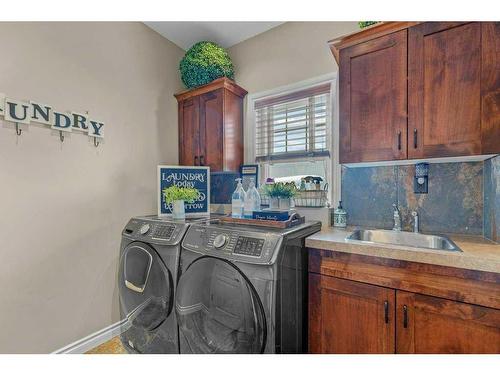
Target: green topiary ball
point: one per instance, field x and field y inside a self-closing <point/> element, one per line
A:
<point x="204" y="62"/>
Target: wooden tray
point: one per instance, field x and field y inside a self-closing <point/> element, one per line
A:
<point x="293" y="220"/>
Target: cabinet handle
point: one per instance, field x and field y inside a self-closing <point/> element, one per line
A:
<point x="386" y="312"/>
<point x="196" y="160"/>
<point x="405" y="316"/>
<point x="202" y="162"/>
<point x="415" y="144"/>
<point x="399" y="140"/>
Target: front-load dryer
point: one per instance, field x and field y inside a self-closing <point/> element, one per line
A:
<point x="147" y="278"/>
<point x="243" y="289"/>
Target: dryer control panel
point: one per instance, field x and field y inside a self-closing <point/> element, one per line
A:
<point x="154" y="230"/>
<point x="238" y="245"/>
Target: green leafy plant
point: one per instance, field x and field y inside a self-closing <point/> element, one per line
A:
<point x="280" y="190"/>
<point x="203" y="63"/>
<point x="174" y="193"/>
<point x="363" y="24"/>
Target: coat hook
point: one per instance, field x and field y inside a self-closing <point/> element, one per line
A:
<point x="61" y="136"/>
<point x="95" y="142"/>
<point x="18" y="130"/>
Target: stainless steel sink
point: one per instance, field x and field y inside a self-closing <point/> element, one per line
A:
<point x="392" y="237"/>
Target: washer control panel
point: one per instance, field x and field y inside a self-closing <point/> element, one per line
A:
<point x="249" y="246"/>
<point x="244" y="246"/>
<point x="152" y="230"/>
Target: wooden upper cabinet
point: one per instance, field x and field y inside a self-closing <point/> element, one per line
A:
<point x="212" y="133"/>
<point x="350" y="317"/>
<point x="373" y="92"/>
<point x="490" y="87"/>
<point x="444" y="89"/>
<point x="189" y="117"/>
<point x="211" y="125"/>
<point x="429" y="325"/>
<point x="438" y="83"/>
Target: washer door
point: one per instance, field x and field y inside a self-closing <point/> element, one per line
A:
<point x="146" y="287"/>
<point x="218" y="309"/>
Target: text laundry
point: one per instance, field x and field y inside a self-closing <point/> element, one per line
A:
<point x="26" y="112"/>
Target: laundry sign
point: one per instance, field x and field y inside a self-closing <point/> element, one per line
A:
<point x="189" y="177"/>
<point x="25" y="112"/>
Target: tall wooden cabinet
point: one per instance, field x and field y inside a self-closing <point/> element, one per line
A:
<point x="211" y="126"/>
<point x="412" y="90"/>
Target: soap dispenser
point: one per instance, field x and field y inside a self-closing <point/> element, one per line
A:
<point x="238" y="200"/>
<point x="252" y="200"/>
<point x="340" y="217"/>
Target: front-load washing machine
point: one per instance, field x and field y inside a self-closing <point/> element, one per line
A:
<point x="243" y="289"/>
<point x="147" y="277"/>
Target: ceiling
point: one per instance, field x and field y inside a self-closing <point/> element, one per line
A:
<point x="226" y="34"/>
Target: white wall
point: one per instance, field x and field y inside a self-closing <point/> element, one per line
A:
<point x="290" y="53"/>
<point x="63" y="205"/>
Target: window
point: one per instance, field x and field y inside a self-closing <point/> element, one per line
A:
<point x="292" y="133"/>
<point x="293" y="126"/>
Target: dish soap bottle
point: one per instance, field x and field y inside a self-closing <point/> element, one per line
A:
<point x="252" y="200"/>
<point x="237" y="200"/>
<point x="339" y="217"/>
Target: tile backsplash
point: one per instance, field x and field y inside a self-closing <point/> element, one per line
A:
<point x="454" y="203"/>
<point x="492" y="198"/>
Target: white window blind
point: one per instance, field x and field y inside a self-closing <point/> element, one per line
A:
<point x="293" y="125"/>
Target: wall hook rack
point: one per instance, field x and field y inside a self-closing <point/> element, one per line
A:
<point x="96" y="144"/>
<point x="19" y="131"/>
<point x="61" y="136"/>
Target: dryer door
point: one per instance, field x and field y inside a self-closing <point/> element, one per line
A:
<point x="218" y="309"/>
<point x="146" y="288"/>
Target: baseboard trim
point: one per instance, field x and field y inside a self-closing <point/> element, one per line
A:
<point x="91" y="341"/>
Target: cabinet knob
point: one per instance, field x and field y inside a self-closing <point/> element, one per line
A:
<point x="399" y="140"/>
<point x="415" y="143"/>
<point x="196" y="160"/>
<point x="202" y="160"/>
<point x="386" y="312"/>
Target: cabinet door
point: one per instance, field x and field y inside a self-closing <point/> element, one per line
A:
<point x="490" y="86"/>
<point x="189" y="131"/>
<point x="211" y="130"/>
<point x="444" y="89"/>
<point x="435" y="325"/>
<point x="350" y="317"/>
<point x="373" y="100"/>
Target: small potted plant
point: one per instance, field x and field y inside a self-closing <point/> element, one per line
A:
<point x="280" y="195"/>
<point x="177" y="196"/>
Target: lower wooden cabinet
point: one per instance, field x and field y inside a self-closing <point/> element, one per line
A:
<point x="427" y="324"/>
<point x="352" y="317"/>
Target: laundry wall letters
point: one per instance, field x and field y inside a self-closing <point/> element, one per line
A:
<point x="24" y="112"/>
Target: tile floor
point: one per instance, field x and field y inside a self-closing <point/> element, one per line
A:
<point x="113" y="346"/>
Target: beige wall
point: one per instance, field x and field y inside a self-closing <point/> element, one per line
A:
<point x="63" y="206"/>
<point x="292" y="52"/>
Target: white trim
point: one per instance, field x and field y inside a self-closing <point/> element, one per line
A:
<point x="91" y="341"/>
<point x="454" y="159"/>
<point x="249" y="133"/>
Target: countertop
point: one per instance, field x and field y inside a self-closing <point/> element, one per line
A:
<point x="478" y="253"/>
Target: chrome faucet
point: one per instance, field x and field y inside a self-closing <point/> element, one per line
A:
<point x="397" y="218"/>
<point x="415" y="221"/>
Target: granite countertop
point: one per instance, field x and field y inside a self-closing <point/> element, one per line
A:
<point x="478" y="253"/>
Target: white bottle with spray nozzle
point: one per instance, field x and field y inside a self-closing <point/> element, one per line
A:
<point x="238" y="200"/>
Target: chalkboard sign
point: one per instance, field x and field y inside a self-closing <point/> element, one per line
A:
<point x="182" y="176"/>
